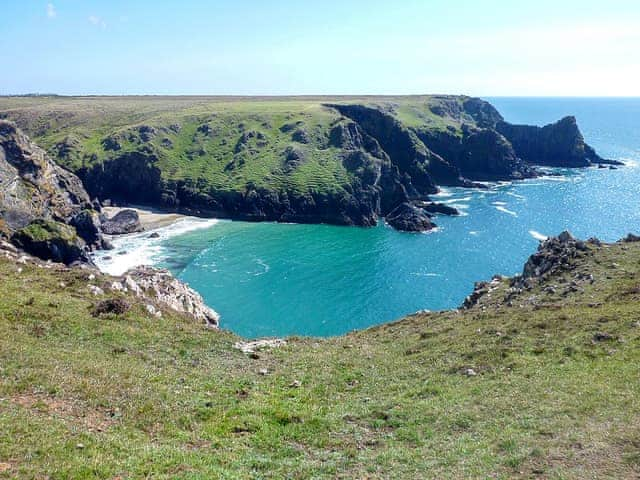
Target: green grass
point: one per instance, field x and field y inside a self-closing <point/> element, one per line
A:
<point x="139" y="397"/>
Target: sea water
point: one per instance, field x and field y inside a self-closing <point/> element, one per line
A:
<point x="268" y="279"/>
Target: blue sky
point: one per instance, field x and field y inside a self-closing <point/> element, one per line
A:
<point x="481" y="47"/>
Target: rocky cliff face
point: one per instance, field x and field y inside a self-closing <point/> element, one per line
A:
<point x="44" y="209"/>
<point x="32" y="185"/>
<point x="559" y="144"/>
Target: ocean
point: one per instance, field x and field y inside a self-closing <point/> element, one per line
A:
<point x="268" y="279"/>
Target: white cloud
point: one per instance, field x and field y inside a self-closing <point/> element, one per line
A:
<point x="97" y="21"/>
<point x="51" y="10"/>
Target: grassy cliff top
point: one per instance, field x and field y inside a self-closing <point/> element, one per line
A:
<point x="545" y="386"/>
<point x="223" y="143"/>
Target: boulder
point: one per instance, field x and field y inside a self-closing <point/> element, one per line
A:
<point x="51" y="240"/>
<point x="409" y="218"/>
<point x="125" y="221"/>
<point x="87" y="225"/>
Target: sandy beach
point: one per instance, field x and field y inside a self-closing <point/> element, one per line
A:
<point x="150" y="219"/>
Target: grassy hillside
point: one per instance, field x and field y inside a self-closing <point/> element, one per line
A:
<point x="545" y="386"/>
<point x="223" y="142"/>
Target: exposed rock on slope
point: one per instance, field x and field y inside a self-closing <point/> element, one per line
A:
<point x="32" y="185"/>
<point x="161" y="287"/>
<point x="51" y="240"/>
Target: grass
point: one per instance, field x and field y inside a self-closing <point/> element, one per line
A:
<point x="211" y="160"/>
<point x="555" y="395"/>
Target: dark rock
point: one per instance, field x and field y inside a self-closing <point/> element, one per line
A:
<point x="87" y="225"/>
<point x="293" y="158"/>
<point x="631" y="238"/>
<point x="111" y="143"/>
<point x="409" y="218"/>
<point x="154" y="235"/>
<point x="166" y="143"/>
<point x="441" y="208"/>
<point x="603" y="337"/>
<point x="125" y="221"/>
<point x="559" y="144"/>
<point x="146" y="132"/>
<point x="205" y="129"/>
<point x="113" y="306"/>
<point x="301" y="136"/>
<point x="51" y="240"/>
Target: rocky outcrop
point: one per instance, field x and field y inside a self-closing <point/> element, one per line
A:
<point x="31" y="185"/>
<point x="88" y="226"/>
<point x="404" y="148"/>
<point x="559" y="144"/>
<point x="554" y="254"/>
<point x="123" y="222"/>
<point x="409" y="218"/>
<point x="51" y="240"/>
<point x="160" y="287"/>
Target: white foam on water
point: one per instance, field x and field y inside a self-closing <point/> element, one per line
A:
<point x="538" y="235"/>
<point x="506" y="210"/>
<point x="138" y="249"/>
<point x="456" y="200"/>
<point x="515" y="195"/>
<point x="500" y="204"/>
<point x="473" y="232"/>
<point x="421" y="274"/>
<point x="443" y="193"/>
<point x="264" y="265"/>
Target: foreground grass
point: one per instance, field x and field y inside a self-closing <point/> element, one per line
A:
<point x="555" y="395"/>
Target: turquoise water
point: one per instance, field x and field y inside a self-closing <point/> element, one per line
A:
<point x="280" y="279"/>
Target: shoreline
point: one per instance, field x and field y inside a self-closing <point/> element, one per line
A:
<point x="150" y="218"/>
<point x="141" y="248"/>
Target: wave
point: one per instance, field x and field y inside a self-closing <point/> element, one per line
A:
<point x="538" y="235"/>
<point x="506" y="210"/>
<point x="515" y="195"/>
<point x="139" y="249"/>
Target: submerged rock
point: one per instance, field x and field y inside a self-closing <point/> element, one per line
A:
<point x="409" y="218"/>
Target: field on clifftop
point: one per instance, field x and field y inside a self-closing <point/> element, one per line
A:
<point x="545" y="388"/>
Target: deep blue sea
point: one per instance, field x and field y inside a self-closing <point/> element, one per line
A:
<point x="270" y="279"/>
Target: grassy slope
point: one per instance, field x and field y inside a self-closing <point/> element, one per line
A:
<point x="151" y="398"/>
<point x="49" y="120"/>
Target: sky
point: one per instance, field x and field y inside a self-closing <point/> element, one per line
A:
<point x="296" y="47"/>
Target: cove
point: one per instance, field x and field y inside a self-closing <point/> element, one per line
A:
<point x="269" y="279"/>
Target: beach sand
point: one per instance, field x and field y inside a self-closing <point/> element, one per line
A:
<point x="150" y="219"/>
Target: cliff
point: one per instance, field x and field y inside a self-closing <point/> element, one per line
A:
<point x="342" y="160"/>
